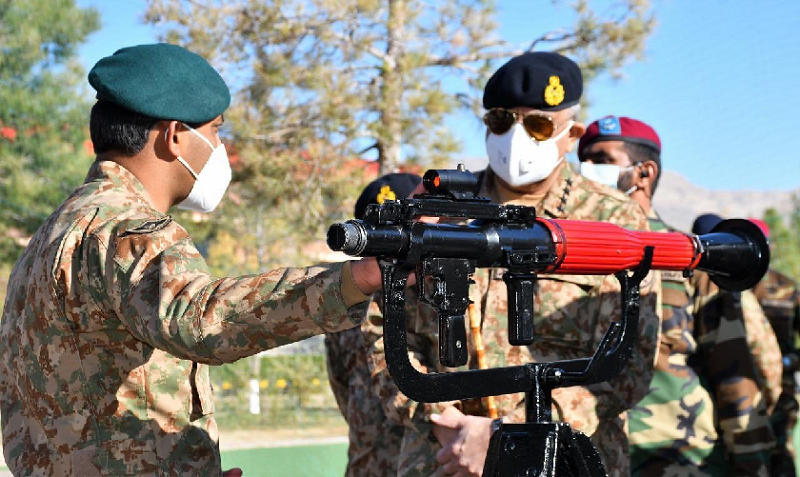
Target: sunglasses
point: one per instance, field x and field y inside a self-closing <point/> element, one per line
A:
<point x="538" y="126"/>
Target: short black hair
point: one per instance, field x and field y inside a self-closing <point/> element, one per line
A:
<point x="114" y="128"/>
<point x="644" y="153"/>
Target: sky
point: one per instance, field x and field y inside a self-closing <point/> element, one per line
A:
<point x="720" y="83"/>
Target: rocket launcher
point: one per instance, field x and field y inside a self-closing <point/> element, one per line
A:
<point x="472" y="232"/>
<point x="735" y="254"/>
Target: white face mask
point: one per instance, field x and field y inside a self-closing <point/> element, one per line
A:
<point x="607" y="174"/>
<point x="212" y="182"/>
<point x="519" y="159"/>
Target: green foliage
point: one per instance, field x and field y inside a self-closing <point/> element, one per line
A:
<point x="784" y="241"/>
<point x="44" y="119"/>
<point x="294" y="392"/>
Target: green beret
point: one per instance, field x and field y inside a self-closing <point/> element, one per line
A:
<point x="161" y="81"/>
<point x="539" y="80"/>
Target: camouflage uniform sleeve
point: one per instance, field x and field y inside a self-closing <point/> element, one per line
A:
<point x="764" y="346"/>
<point x="159" y="286"/>
<point x="632" y="384"/>
<point x="741" y="408"/>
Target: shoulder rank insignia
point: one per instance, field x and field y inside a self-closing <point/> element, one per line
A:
<point x="147" y="226"/>
<point x="554" y="92"/>
<point x="385" y="194"/>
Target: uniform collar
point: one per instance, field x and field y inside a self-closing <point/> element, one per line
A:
<point x="110" y="171"/>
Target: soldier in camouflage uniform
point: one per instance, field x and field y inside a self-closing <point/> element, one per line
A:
<point x="747" y="442"/>
<point x="374" y="439"/>
<point x="703" y="370"/>
<point x="532" y="101"/>
<point x="761" y="338"/>
<point x="764" y="347"/>
<point x="778" y="296"/>
<point x="112" y="316"/>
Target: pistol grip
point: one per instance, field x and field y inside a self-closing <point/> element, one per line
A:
<point x="452" y="341"/>
<point x="520" y="307"/>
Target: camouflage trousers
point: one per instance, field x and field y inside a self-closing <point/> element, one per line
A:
<point x="679" y="438"/>
<point x="672" y="430"/>
<point x="611" y="441"/>
<point x="374" y="438"/>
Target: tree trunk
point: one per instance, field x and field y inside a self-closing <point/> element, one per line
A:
<point x="391" y="137"/>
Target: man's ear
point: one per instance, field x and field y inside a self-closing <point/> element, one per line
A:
<point x="648" y="172"/>
<point x="575" y="132"/>
<point x="171" y="139"/>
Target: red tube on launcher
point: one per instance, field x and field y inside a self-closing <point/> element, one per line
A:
<point x="601" y="248"/>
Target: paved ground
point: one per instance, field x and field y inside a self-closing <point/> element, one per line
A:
<point x="253" y="439"/>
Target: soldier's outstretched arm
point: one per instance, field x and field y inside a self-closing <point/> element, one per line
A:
<point x="161" y="289"/>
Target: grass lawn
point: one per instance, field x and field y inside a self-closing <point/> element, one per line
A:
<point x="303" y="461"/>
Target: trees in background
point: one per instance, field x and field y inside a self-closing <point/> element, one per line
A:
<point x="323" y="84"/>
<point x="44" y="152"/>
<point x="785" y="240"/>
<point x="379" y="75"/>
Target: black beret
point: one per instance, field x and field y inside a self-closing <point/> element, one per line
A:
<point x="704" y="223"/>
<point x="161" y="81"/>
<point x="389" y="187"/>
<point x="540" y="80"/>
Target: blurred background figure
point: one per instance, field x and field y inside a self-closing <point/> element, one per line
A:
<point x="691" y="419"/>
<point x="761" y="339"/>
<point x="374" y="439"/>
<point x="778" y="296"/>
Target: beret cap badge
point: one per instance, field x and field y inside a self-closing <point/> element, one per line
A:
<point x="385" y="194"/>
<point x="540" y="80"/>
<point x="554" y="92"/>
<point x="620" y="128"/>
<point x="609" y="125"/>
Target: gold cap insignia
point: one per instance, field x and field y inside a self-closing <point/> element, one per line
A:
<point x="385" y="194"/>
<point x="554" y="92"/>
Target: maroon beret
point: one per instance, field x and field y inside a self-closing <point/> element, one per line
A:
<point x="613" y="128"/>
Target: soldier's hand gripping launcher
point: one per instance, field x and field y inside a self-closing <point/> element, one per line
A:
<point x="735" y="253"/>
